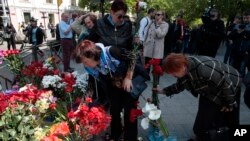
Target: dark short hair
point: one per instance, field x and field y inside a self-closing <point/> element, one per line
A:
<point x="151" y="10"/>
<point x="119" y="5"/>
<point x="33" y="19"/>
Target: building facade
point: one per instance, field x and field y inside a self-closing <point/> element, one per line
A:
<point x="45" y="11"/>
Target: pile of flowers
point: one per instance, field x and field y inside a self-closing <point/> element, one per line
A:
<point x="14" y="63"/>
<point x="51" y="106"/>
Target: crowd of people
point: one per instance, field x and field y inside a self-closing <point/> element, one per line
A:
<point x="105" y="48"/>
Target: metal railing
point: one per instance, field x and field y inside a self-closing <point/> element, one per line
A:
<point x="52" y="48"/>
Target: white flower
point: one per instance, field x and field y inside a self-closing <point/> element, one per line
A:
<point x="145" y="123"/>
<point x="154" y="114"/>
<point x="42" y="105"/>
<point x="39" y="133"/>
<point x="81" y="81"/>
<point x="52" y="81"/>
<point x="148" y="107"/>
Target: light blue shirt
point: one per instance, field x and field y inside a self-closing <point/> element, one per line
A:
<point x="33" y="36"/>
<point x="63" y="26"/>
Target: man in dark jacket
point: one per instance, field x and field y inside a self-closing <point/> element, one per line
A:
<point x="36" y="36"/>
<point x="113" y="30"/>
<point x="212" y="33"/>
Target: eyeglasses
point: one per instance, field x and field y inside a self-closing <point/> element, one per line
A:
<point x="120" y="17"/>
<point x="158" y="14"/>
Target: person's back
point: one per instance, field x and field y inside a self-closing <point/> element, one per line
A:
<point x="168" y="42"/>
<point x="144" y="24"/>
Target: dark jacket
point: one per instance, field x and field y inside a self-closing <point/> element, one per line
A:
<point x="108" y="34"/>
<point x="212" y="33"/>
<point x="39" y="35"/>
<point x="210" y="78"/>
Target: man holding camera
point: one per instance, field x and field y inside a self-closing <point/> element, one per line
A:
<point x="212" y="33"/>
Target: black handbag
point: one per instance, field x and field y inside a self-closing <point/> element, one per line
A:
<point x="139" y="85"/>
<point x="139" y="78"/>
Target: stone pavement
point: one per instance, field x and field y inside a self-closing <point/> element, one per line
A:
<point x="178" y="112"/>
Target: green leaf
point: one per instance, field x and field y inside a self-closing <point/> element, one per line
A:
<point x="2" y="123"/>
<point x="163" y="127"/>
<point x="18" y="118"/>
<point x="4" y="135"/>
<point x="31" y="132"/>
<point x="12" y="132"/>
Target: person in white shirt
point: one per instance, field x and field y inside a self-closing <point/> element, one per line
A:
<point x="66" y="41"/>
<point x="144" y="24"/>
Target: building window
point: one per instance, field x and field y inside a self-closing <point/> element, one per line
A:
<point x="73" y="2"/>
<point x="27" y="17"/>
<point x="49" y="1"/>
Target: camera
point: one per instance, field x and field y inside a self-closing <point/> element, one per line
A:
<point x="206" y="16"/>
<point x="242" y="26"/>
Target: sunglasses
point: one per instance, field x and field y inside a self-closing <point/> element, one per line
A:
<point x="158" y="14"/>
<point x="212" y="16"/>
<point x="120" y="17"/>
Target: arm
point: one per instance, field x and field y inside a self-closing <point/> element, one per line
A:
<point x="65" y="29"/>
<point x="174" y="88"/>
<point x="142" y="31"/>
<point x="162" y="30"/>
<point x="77" y="26"/>
<point x="130" y="59"/>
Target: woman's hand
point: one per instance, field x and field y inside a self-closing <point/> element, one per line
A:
<point x="158" y="90"/>
<point x="226" y="109"/>
<point x="127" y="84"/>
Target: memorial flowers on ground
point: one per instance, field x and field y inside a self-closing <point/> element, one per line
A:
<point x="52" y="105"/>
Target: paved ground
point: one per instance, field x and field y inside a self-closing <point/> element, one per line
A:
<point x="178" y="111"/>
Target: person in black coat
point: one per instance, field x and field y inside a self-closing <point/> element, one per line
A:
<point x="212" y="32"/>
<point x="10" y="33"/>
<point x="36" y="36"/>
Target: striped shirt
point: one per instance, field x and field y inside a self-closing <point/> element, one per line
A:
<point x="210" y="78"/>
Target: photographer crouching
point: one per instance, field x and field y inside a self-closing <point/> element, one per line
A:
<point x="212" y="32"/>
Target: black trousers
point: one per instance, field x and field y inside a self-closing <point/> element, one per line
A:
<point x="120" y="99"/>
<point x="210" y="117"/>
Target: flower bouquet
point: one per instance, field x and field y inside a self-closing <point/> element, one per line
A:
<point x="158" y="130"/>
<point x="53" y="106"/>
<point x="14" y="63"/>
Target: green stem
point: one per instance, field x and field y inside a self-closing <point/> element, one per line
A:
<point x="163" y="127"/>
<point x="155" y="98"/>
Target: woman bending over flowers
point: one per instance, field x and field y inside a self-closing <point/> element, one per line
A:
<point x="115" y="67"/>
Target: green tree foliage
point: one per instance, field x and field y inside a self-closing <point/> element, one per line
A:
<point x="191" y="9"/>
